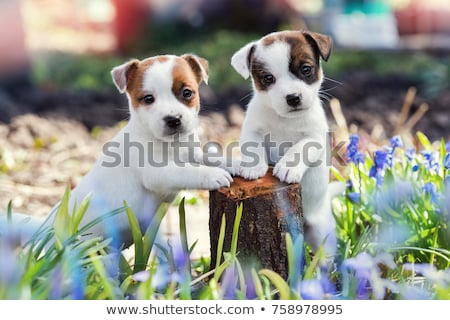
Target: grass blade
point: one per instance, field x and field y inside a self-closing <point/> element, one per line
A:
<point x="152" y="230"/>
<point x="183" y="234"/>
<point x="220" y="247"/>
<point x="79" y="214"/>
<point x="139" y="262"/>
<point x="234" y="237"/>
<point x="278" y="282"/>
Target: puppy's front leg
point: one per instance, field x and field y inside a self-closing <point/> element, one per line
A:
<point x="254" y="156"/>
<point x="212" y="156"/>
<point x="174" y="177"/>
<point x="307" y="153"/>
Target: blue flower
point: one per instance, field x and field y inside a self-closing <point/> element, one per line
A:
<point x="431" y="189"/>
<point x="447" y="161"/>
<point x="431" y="162"/>
<point x="353" y="153"/>
<point x="354" y="196"/>
<point x="447" y="184"/>
<point x="396" y="142"/>
<point x="350" y="184"/>
<point x="447" y="146"/>
<point x="354" y="139"/>
<point x="381" y="159"/>
<point x="410" y="153"/>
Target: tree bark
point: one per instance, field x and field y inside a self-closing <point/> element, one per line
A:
<point x="270" y="210"/>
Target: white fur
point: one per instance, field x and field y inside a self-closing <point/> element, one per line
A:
<point x="145" y="187"/>
<point x="306" y="130"/>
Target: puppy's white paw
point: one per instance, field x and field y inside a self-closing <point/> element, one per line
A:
<point x="233" y="166"/>
<point x="288" y="174"/>
<point x="254" y="172"/>
<point x="218" y="178"/>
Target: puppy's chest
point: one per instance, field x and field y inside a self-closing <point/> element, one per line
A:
<point x="277" y="143"/>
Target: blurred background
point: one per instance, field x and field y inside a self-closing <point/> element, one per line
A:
<point x="389" y="74"/>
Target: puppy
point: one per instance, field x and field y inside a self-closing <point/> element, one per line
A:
<point x="285" y="124"/>
<point x="145" y="163"/>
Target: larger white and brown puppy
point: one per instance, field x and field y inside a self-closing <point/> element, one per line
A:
<point x="285" y="123"/>
<point x="141" y="164"/>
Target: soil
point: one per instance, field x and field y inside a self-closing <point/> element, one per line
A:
<point x="49" y="139"/>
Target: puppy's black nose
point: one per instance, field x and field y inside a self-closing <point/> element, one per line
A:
<point x="173" y="122"/>
<point x="293" y="100"/>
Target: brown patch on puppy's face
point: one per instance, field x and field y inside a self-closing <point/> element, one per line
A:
<point x="306" y="48"/>
<point x="185" y="83"/>
<point x="135" y="78"/>
<point x="163" y="92"/>
<point x="262" y="77"/>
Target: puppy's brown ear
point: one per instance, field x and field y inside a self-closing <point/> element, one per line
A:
<point x="121" y="74"/>
<point x="323" y="43"/>
<point x="199" y="65"/>
<point x="242" y="58"/>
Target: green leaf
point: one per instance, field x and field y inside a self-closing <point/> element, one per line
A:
<point x="9" y="212"/>
<point x="62" y="220"/>
<point x="78" y="214"/>
<point x="183" y="233"/>
<point x="278" y="282"/>
<point x="258" y="285"/>
<point x="139" y="260"/>
<point x="99" y="219"/>
<point x="152" y="230"/>
<point x="234" y="236"/>
<point x="424" y="141"/>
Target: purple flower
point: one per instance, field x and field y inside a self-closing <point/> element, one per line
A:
<point x="353" y="153"/>
<point x="230" y="283"/>
<point x="141" y="276"/>
<point x="57" y="277"/>
<point x="316" y="289"/>
<point x="11" y="267"/>
<point x="367" y="273"/>
<point x="414" y="292"/>
<point x="311" y="289"/>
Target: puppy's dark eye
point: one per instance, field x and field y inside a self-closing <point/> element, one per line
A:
<point x="148" y="99"/>
<point x="187" y="93"/>
<point x="306" y="70"/>
<point x="268" y="79"/>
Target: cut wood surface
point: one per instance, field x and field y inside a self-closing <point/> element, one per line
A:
<point x="270" y="209"/>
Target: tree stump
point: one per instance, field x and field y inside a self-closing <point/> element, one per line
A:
<point x="270" y="210"/>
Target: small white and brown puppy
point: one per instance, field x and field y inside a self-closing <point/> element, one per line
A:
<point x="285" y="124"/>
<point x="140" y="164"/>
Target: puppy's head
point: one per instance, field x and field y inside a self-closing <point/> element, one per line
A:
<point x="285" y="68"/>
<point x="163" y="92"/>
